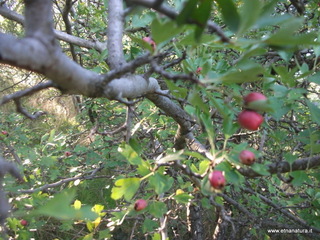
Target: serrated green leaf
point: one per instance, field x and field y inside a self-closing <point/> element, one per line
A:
<point x="195" y="99"/>
<point x="250" y="73"/>
<point x="201" y="16"/>
<point x="163" y="31"/>
<point x="60" y="207"/>
<point x="149" y="225"/>
<point x="125" y="187"/>
<point x="230" y="14"/>
<point x="171" y="157"/>
<point x="299" y="178"/>
<point x="128" y="152"/>
<point x="260" y="168"/>
<point x="161" y="183"/>
<point x="157" y="209"/>
<point x="248" y="16"/>
<point x="183" y="198"/>
<point x="186" y="12"/>
<point x="315" y="78"/>
<point x="315" y="112"/>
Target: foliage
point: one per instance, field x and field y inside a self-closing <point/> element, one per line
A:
<point x="90" y="193"/>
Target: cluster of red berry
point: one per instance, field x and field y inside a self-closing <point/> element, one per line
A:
<point x="249" y="119"/>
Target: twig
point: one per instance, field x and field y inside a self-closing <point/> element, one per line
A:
<point x="281" y="209"/>
<point x="167" y="11"/>
<point x="91" y="176"/>
<point x="190" y="77"/>
<point x="27" y="92"/>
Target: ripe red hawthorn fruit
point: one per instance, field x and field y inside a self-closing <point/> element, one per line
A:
<point x="140" y="204"/>
<point x="4" y="133"/>
<point x="247" y="157"/>
<point x="67" y="153"/>
<point x="24" y="222"/>
<point x="254" y="96"/>
<point x="199" y="69"/>
<point x="250" y="119"/>
<point x="150" y="41"/>
<point x="217" y="180"/>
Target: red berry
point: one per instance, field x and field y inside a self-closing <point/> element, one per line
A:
<point x="5" y="133"/>
<point x="247" y="157"/>
<point x="24" y="222"/>
<point x="150" y="41"/>
<point x="250" y="119"/>
<point x="254" y="96"/>
<point x="140" y="204"/>
<point x="217" y="180"/>
<point x="67" y="153"/>
<point x="199" y="69"/>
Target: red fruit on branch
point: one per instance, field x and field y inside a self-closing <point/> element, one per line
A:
<point x="250" y="120"/>
<point x="257" y="101"/>
<point x="199" y="70"/>
<point x="140" y="204"/>
<point x="67" y="153"/>
<point x="150" y="41"/>
<point x="247" y="157"/>
<point x="217" y="180"/>
<point x="4" y="133"/>
<point x="254" y="96"/>
<point x="24" y="222"/>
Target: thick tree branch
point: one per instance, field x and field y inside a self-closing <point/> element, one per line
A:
<point x="115" y="33"/>
<point x="11" y="15"/>
<point x="284" y="166"/>
<point x="39" y="21"/>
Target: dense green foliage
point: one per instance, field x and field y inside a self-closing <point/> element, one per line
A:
<point x="97" y="174"/>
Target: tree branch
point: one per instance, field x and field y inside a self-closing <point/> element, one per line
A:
<point x="284" y="166"/>
<point x="11" y="15"/>
<point x="115" y="33"/>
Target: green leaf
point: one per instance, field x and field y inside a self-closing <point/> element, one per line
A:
<point x="201" y="16"/>
<point x="231" y="174"/>
<point x="187" y="12"/>
<point x="195" y="99"/>
<point x="128" y="152"/>
<point x="156" y="236"/>
<point x="171" y="157"/>
<point x="248" y="73"/>
<point x="161" y="183"/>
<point x="157" y="209"/>
<point x="163" y="31"/>
<point x="286" y="36"/>
<point x="125" y="187"/>
<point x="230" y="14"/>
<point x="60" y="207"/>
<point x="299" y="178"/>
<point x="315" y="78"/>
<point x="149" y="225"/>
<point x="248" y="15"/>
<point x="260" y="168"/>
<point x="287" y="77"/>
<point x="183" y="198"/>
<point x="315" y="112"/>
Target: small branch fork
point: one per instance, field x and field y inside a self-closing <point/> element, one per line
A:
<point x="16" y="97"/>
